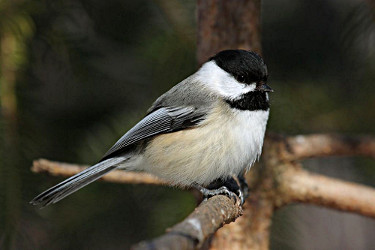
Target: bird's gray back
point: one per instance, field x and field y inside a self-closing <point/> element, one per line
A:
<point x="189" y="92"/>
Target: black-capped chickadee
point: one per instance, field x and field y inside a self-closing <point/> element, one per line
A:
<point x="208" y="128"/>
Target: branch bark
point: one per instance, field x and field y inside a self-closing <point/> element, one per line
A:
<point x="193" y="232"/>
<point x="231" y="25"/>
<point x="117" y="176"/>
<point x="251" y="230"/>
<point x="320" y="145"/>
<point x="301" y="186"/>
<point x="280" y="181"/>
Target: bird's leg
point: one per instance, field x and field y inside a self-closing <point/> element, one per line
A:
<point x="231" y="187"/>
<point x="243" y="186"/>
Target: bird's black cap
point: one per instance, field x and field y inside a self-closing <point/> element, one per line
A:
<point x="246" y="66"/>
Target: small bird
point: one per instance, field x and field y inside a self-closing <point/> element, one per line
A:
<point x="202" y="133"/>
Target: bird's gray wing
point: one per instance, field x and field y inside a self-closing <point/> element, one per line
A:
<point x="159" y="121"/>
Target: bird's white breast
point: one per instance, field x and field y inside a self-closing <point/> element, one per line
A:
<point x="227" y="142"/>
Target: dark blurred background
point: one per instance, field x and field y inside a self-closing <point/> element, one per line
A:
<point x="75" y="75"/>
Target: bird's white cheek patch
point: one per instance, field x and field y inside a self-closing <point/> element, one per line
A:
<point x="232" y="89"/>
<point x="221" y="82"/>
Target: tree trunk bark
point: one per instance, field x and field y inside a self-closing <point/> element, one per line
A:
<point x="236" y="25"/>
<point x="227" y="25"/>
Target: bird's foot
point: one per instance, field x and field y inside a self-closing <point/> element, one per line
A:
<point x="232" y="187"/>
<point x="208" y="193"/>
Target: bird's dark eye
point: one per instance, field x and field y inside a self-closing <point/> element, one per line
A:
<point x="241" y="78"/>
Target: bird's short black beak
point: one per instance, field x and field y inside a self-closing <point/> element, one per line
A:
<point x="265" y="88"/>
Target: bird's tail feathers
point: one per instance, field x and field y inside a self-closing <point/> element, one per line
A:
<point x="78" y="181"/>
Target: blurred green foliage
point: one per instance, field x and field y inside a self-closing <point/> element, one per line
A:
<point x="86" y="71"/>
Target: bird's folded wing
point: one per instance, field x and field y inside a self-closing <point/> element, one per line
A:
<point x="159" y="121"/>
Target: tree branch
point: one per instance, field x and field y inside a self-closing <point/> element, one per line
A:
<point x="320" y="145"/>
<point x="301" y="186"/>
<point x="251" y="230"/>
<point x="117" y="176"/>
<point x="278" y="183"/>
<point x="194" y="231"/>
